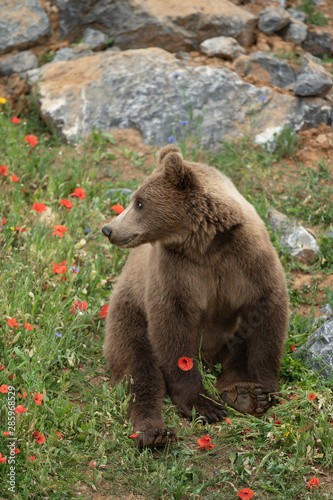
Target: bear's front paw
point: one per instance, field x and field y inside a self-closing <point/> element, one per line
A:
<point x="155" y="437"/>
<point x="206" y="407"/>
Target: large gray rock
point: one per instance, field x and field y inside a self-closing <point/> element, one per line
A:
<point x="172" y="25"/>
<point x="319" y="43"/>
<point x="273" y="19"/>
<point x="299" y="243"/>
<point x="298" y="15"/>
<point x="313" y="80"/>
<point x="222" y="46"/>
<point x="317" y="352"/>
<point x="23" y="61"/>
<point x="152" y="91"/>
<point x="276" y="71"/>
<point x="22" y="23"/>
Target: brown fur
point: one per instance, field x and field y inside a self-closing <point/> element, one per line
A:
<point x="203" y="273"/>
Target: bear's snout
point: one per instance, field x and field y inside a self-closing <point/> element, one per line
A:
<point x="107" y="231"/>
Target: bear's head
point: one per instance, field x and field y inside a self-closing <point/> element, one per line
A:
<point x="170" y="206"/>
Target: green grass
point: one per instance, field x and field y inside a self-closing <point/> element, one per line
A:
<point x="313" y="15"/>
<point x="61" y="358"/>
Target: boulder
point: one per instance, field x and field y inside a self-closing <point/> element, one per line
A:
<point x="22" y="23"/>
<point x="23" y="61"/>
<point x="154" y="92"/>
<point x="267" y="68"/>
<point x="222" y="46"/>
<point x="313" y="80"/>
<point x="317" y="352"/>
<point x="272" y="19"/>
<point x="298" y="15"/>
<point x="172" y="25"/>
<point x="299" y="243"/>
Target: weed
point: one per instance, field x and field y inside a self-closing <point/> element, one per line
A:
<point x="314" y="16"/>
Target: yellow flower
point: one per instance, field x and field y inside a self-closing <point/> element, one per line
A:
<point x="3" y="100"/>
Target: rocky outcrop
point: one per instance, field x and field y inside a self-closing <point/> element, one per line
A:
<point x="152" y="91"/>
<point x="313" y="80"/>
<point x="172" y="25"/>
<point x="299" y="243"/>
<point x="319" y="43"/>
<point x="22" y="23"/>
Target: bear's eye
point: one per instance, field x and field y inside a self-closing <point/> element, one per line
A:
<point x="139" y="204"/>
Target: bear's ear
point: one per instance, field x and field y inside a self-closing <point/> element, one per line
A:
<point x="176" y="172"/>
<point x="166" y="150"/>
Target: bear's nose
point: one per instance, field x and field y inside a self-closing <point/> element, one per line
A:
<point x="107" y="231"/>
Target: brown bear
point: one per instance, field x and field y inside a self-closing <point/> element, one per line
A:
<point x="203" y="280"/>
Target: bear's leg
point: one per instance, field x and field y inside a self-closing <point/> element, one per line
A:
<point x="176" y="338"/>
<point x="251" y="360"/>
<point x="129" y="353"/>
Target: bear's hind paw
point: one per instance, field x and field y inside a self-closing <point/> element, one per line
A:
<point x="249" y="398"/>
<point x="155" y="437"/>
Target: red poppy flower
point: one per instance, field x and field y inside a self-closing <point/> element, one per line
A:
<point x="60" y="230"/>
<point x="67" y="204"/>
<point x="185" y="363"/>
<point x="12" y="322"/>
<point x="38" y="398"/>
<point x="245" y="494"/>
<point x="93" y="463"/>
<point x="31" y="140"/>
<point x="14" y="178"/>
<point x="4" y="388"/>
<point x="39" y="207"/>
<point x="1" y="367"/>
<point x="292" y="347"/>
<point x="58" y="434"/>
<point x="24" y="394"/>
<point x="20" y="409"/>
<point x="60" y="268"/>
<point x="28" y="327"/>
<point x="118" y="208"/>
<point x="79" y="193"/>
<point x="31" y="458"/>
<point x="3" y="170"/>
<point x="82" y="306"/>
<point x="205" y="443"/>
<point x="134" y="436"/>
<point x="40" y="438"/>
<point x="277" y="422"/>
<point x="311" y="396"/>
<point x="15" y="120"/>
<point x="314" y="481"/>
<point x="104" y="311"/>
<point x="4" y="221"/>
<point x="35" y="434"/>
<point x="17" y="450"/>
<point x="228" y="421"/>
<point x="293" y="396"/>
<point x="6" y="433"/>
<point x="2" y="459"/>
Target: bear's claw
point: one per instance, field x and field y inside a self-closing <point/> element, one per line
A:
<point x="156" y="437"/>
<point x="250" y="398"/>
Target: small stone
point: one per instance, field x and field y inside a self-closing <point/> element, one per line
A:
<point x="18" y="63"/>
<point x="313" y="80"/>
<point x="317" y="352"/>
<point x="321" y="138"/>
<point x="96" y="39"/>
<point x="319" y="43"/>
<point x="327" y="309"/>
<point x="295" y="238"/>
<point x="222" y="46"/>
<point x="298" y="15"/>
<point x="273" y="19"/>
<point x="295" y="32"/>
